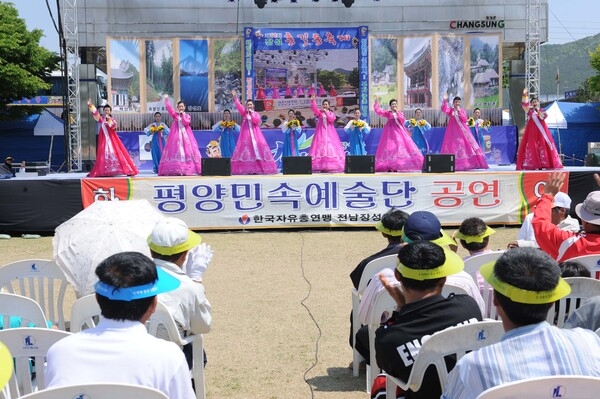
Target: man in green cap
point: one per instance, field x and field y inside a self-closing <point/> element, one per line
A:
<point x="422" y="310"/>
<point x="526" y="284"/>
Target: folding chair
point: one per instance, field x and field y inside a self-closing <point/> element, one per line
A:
<point x="24" y="344"/>
<point x="113" y="391"/>
<point x="27" y="309"/>
<point x="372" y="268"/>
<point x="162" y="320"/>
<point x="582" y="288"/>
<point x="384" y="305"/>
<point x="450" y="288"/>
<point x="41" y="280"/>
<point x="555" y="386"/>
<point x="472" y="266"/>
<point x="85" y="313"/>
<point x="451" y="341"/>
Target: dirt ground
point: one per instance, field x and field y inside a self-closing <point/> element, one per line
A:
<point x="281" y="303"/>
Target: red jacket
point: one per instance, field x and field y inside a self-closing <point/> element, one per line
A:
<point x="560" y="244"/>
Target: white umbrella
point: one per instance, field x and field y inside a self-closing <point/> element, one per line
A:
<point x="100" y="230"/>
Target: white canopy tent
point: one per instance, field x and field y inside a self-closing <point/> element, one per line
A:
<point x="555" y="119"/>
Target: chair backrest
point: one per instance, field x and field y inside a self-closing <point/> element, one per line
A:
<point x="84" y="313"/>
<point x="472" y="266"/>
<point x="113" y="391"/>
<point x="41" y="280"/>
<point x="555" y="386"/>
<point x="162" y="325"/>
<point x="592" y="262"/>
<point x="27" y="309"/>
<point x="452" y="341"/>
<point x="375" y="266"/>
<point x="382" y="309"/>
<point x="582" y="288"/>
<point x="450" y="288"/>
<point x="25" y="344"/>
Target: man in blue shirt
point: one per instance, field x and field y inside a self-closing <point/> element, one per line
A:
<point x="526" y="284"/>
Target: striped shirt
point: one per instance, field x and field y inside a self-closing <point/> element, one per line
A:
<point x="536" y="350"/>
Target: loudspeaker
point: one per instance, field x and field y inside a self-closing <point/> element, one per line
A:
<point x="259" y="105"/>
<point x="297" y="165"/>
<point x="216" y="166"/>
<point x="438" y="163"/>
<point x="360" y="164"/>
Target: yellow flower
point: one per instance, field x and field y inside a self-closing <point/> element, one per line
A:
<point x="471" y="122"/>
<point x="486" y="124"/>
<point x="413" y="121"/>
<point x="358" y="123"/>
<point x="422" y="122"/>
<point x="293" y="123"/>
<point x="226" y="124"/>
<point x="160" y="127"/>
<point x="153" y="128"/>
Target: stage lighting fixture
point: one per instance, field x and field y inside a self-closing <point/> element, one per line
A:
<point x="348" y="3"/>
<point x="260" y="3"/>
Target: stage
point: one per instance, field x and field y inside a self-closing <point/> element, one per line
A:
<point x="500" y="195"/>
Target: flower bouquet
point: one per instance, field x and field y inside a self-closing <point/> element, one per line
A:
<point x="413" y="122"/>
<point x="358" y="123"/>
<point x="227" y="124"/>
<point x="486" y="124"/>
<point x="421" y="123"/>
<point x="471" y="122"/>
<point x="294" y="123"/>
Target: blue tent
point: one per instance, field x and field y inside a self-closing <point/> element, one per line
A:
<point x="583" y="126"/>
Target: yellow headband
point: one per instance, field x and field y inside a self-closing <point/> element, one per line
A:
<point x="520" y="295"/>
<point x="452" y="265"/>
<point x="469" y="239"/>
<point x="394" y="233"/>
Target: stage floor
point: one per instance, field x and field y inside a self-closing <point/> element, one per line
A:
<point x="499" y="195"/>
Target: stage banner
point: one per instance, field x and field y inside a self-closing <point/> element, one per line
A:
<point x="105" y="189"/>
<point x="501" y="143"/>
<point x="328" y="200"/>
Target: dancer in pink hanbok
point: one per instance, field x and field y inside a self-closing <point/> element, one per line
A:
<point x="396" y="151"/>
<point x="459" y="140"/>
<point x="181" y="156"/>
<point x="537" y="149"/>
<point x="326" y="149"/>
<point x="252" y="154"/>
<point x="112" y="158"/>
<point x="275" y="95"/>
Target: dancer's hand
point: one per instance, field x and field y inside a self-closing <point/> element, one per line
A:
<point x="234" y="93"/>
<point x="166" y="96"/>
<point x="597" y="178"/>
<point x="445" y="96"/>
<point x="525" y="91"/>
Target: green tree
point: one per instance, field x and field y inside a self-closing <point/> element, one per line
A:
<point x="589" y="90"/>
<point x="23" y="62"/>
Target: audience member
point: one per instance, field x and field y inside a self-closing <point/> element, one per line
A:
<point x="526" y="284"/>
<point x="119" y="349"/>
<point x="169" y="244"/>
<point x="571" y="268"/>
<point x="6" y="169"/>
<point x="422" y="310"/>
<point x="424" y="225"/>
<point x="561" y="244"/>
<point x="474" y="236"/>
<point x="586" y="316"/>
<point x="390" y="227"/>
<point x="560" y="217"/>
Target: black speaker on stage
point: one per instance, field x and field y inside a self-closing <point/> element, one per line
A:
<point x="216" y="166"/>
<point x="438" y="163"/>
<point x="360" y="164"/>
<point x="259" y="105"/>
<point x="297" y="165"/>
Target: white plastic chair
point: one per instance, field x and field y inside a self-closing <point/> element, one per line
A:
<point x="24" y="344"/>
<point x="555" y="386"/>
<point x="162" y="318"/>
<point x="84" y="313"/>
<point x="582" y="288"/>
<point x="592" y="262"/>
<point x="41" y="280"/>
<point x="372" y="268"/>
<point x="112" y="391"/>
<point x="383" y="307"/>
<point x="472" y="266"/>
<point x="27" y="309"/>
<point x="450" y="288"/>
<point x="451" y="341"/>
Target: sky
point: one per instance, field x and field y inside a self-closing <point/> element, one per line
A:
<point x="569" y="20"/>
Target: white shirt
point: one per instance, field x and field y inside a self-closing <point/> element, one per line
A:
<point x="120" y="352"/>
<point x="187" y="304"/>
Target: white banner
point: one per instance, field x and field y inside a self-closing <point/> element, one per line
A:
<point x="330" y="200"/>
